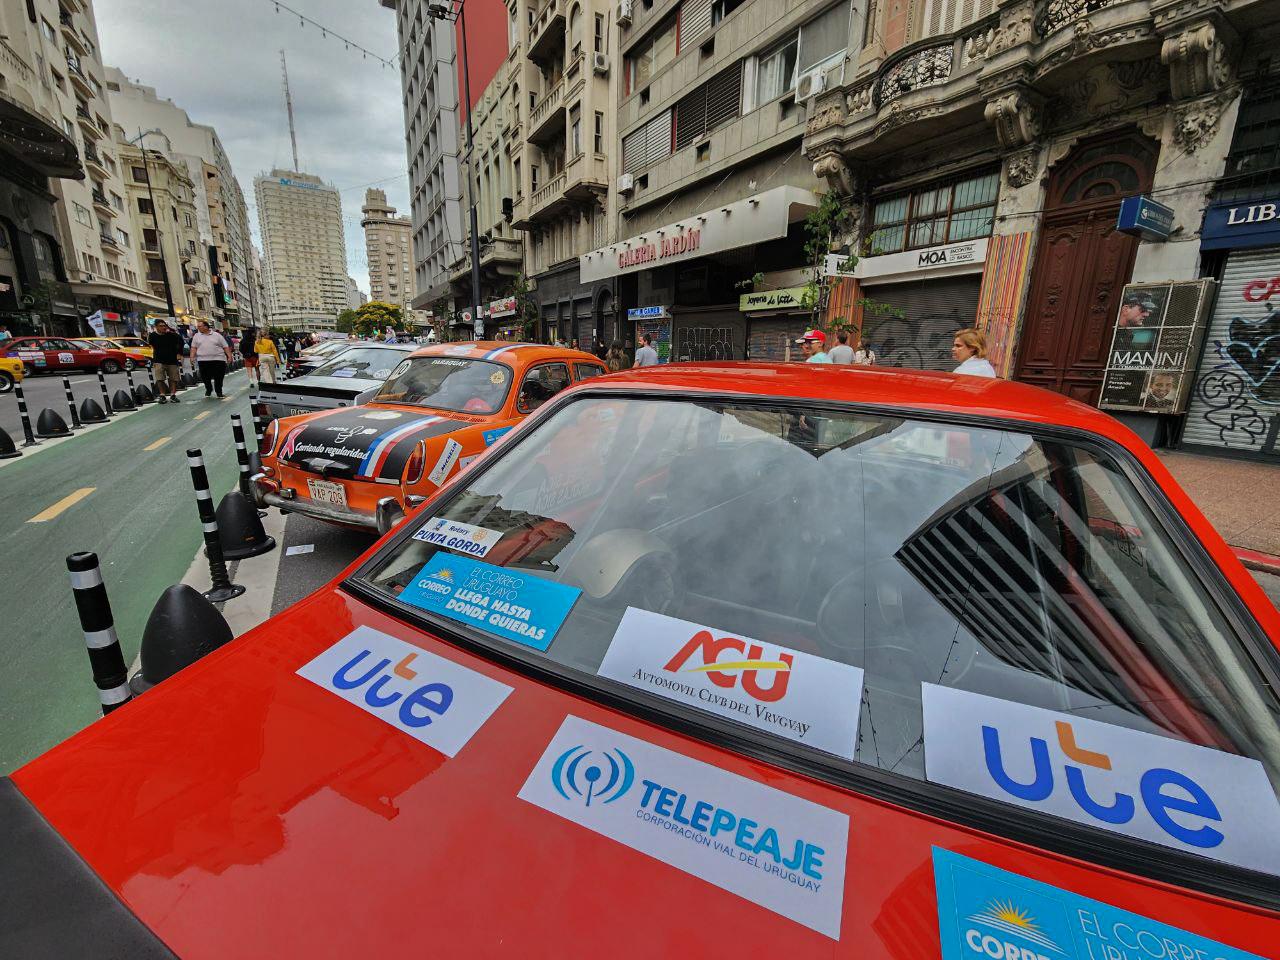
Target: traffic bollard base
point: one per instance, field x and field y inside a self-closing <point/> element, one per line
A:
<point x="223" y="594"/>
<point x="7" y="450"/>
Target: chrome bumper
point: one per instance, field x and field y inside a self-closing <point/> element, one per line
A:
<point x="386" y="515"/>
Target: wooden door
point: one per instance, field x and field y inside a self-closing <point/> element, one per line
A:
<point x="1082" y="264"/>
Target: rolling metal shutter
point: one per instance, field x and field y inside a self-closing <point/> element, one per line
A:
<point x="1235" y="399"/>
<point x="708" y="333"/>
<point x="773" y="338"/>
<point x="932" y="311"/>
<point x="695" y="20"/>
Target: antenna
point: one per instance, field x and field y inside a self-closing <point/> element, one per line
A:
<point x="288" y="105"/>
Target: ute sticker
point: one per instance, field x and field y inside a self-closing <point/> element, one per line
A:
<point x="1178" y="794"/>
<point x="796" y="695"/>
<point x="985" y="913"/>
<point x="775" y="850"/>
<point x="512" y="604"/>
<point x="434" y="700"/>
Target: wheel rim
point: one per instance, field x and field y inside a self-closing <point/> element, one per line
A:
<point x="6" y="381"/>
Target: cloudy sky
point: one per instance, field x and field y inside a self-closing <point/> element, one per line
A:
<point x="221" y="62"/>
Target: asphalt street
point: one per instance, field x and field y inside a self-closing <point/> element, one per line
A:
<point x="45" y="390"/>
<point x="122" y="490"/>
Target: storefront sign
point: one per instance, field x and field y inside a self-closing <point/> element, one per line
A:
<point x="952" y="258"/>
<point x="648" y="313"/>
<point x="502" y="308"/>
<point x="1143" y="217"/>
<point x="1236" y="225"/>
<point x="790" y="298"/>
<point x="765" y="216"/>
<point x="1154" y="348"/>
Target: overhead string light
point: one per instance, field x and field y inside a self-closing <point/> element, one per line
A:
<point x="326" y="32"/>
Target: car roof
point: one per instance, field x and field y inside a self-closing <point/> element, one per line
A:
<point x="922" y="390"/>
<point x="514" y="354"/>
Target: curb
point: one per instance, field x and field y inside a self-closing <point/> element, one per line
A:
<point x="1255" y="560"/>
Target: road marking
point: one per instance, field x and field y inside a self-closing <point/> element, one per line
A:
<point x="156" y="445"/>
<point x="70" y="500"/>
<point x="201" y="416"/>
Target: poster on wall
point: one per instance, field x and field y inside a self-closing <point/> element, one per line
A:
<point x="1155" y="345"/>
<point x="655" y="321"/>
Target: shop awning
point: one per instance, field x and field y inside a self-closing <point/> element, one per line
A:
<point x="765" y="216"/>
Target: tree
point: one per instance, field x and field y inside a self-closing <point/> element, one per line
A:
<point x="346" y="321"/>
<point x="375" y="316"/>
<point x="828" y="223"/>
<point x="440" y="317"/>
<point x="526" y="307"/>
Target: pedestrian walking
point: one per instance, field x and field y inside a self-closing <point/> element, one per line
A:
<point x="616" y="358"/>
<point x="268" y="359"/>
<point x="4" y="333"/>
<point x="863" y="355"/>
<point x="646" y="356"/>
<point x="249" y="353"/>
<point x="842" y="353"/>
<point x="211" y="353"/>
<point x="166" y="361"/>
<point x="814" y="343"/>
<point x="969" y="346"/>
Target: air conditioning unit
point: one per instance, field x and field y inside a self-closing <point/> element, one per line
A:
<point x="624" y="13"/>
<point x="600" y="63"/>
<point x="810" y="85"/>
<point x="626" y="183"/>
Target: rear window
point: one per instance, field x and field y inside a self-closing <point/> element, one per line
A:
<point x="369" y="363"/>
<point x="448" y="383"/>
<point x="983" y="609"/>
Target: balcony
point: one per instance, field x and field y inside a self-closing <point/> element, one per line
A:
<point x="520" y="214"/>
<point x="548" y="199"/>
<point x="87" y="123"/>
<point x="79" y="79"/>
<point x="109" y="243"/>
<point x="102" y="204"/>
<point x="546" y="33"/>
<point x="93" y="160"/>
<point x="586" y="177"/>
<point x="71" y="34"/>
<point x="1057" y="14"/>
<point x="548" y="116"/>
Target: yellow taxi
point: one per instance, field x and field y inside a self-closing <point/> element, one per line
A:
<point x="135" y="348"/>
<point x="11" y="372"/>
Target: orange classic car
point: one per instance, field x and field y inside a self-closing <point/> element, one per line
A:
<point x="442" y="406"/>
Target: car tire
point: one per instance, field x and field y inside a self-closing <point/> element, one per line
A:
<point x="109" y="366"/>
<point x="28" y="370"/>
<point x="6" y="381"/>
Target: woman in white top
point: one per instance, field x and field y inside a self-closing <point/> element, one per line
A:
<point x="970" y="348"/>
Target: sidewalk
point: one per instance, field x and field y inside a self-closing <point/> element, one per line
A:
<point x="1240" y="497"/>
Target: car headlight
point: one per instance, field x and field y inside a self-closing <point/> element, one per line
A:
<point x="268" y="439"/>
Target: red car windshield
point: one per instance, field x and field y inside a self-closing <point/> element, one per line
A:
<point x="448" y="383"/>
<point x="942" y="561"/>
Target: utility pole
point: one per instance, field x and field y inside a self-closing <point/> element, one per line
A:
<point x="288" y="105"/>
<point x="155" y="218"/>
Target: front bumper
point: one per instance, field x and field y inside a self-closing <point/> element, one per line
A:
<point x="388" y="512"/>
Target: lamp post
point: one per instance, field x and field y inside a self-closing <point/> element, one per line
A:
<point x="454" y="10"/>
<point x="155" y="218"/>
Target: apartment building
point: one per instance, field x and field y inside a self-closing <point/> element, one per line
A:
<point x="304" y="249"/>
<point x="388" y="250"/>
<point x="712" y="182"/>
<point x="492" y="167"/>
<point x="40" y="143"/>
<point x="165" y="232"/>
<point x="355" y="296"/>
<point x="223" y="212"/>
<point x="564" y="100"/>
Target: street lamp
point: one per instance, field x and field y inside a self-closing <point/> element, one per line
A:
<point x="454" y="11"/>
<point x="155" y="218"/>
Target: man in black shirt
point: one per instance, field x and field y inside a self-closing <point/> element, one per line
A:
<point x="166" y="346"/>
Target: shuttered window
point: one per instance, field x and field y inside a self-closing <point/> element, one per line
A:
<point x="643" y="148"/>
<point x="695" y="20"/>
<point x="715" y="102"/>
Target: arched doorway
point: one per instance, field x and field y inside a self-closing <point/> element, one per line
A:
<point x="1082" y="264"/>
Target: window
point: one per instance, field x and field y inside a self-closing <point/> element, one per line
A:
<point x="448" y="383"/>
<point x="1253" y="163"/>
<point x="122" y="237"/>
<point x="68" y="128"/>
<point x="969" y="561"/>
<point x="541" y="384"/>
<point x="715" y="102"/>
<point x="575" y="30"/>
<point x="575" y="132"/>
<point x="533" y="178"/>
<point x="47" y="30"/>
<point x="82" y="215"/>
<point x="585" y="371"/>
<point x="600" y="35"/>
<point x="144" y="206"/>
<point x="722" y="8"/>
<point x="656" y="52"/>
<point x="598" y="142"/>
<point x="186" y="220"/>
<point x="776" y="71"/>
<point x="139" y="174"/>
<point x="824" y="38"/>
<point x="935" y="214"/>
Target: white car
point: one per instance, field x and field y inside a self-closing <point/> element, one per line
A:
<point x="347" y="379"/>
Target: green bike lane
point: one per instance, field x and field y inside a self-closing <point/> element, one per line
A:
<point x="140" y="518"/>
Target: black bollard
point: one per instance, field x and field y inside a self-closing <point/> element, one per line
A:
<point x="142" y="395"/>
<point x="106" y="398"/>
<point x="50" y="425"/>
<point x="71" y="403"/>
<point x="27" y="432"/>
<point x="240" y="528"/>
<point x="242" y="455"/>
<point x="7" y="450"/>
<point x="123" y="402"/>
<point x="90" y="412"/>
<point x="106" y="659"/>
<point x="223" y="588"/>
<point x="182" y="628"/>
<point x="151" y="376"/>
<point x="128" y="375"/>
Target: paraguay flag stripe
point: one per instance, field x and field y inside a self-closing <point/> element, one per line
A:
<point x="379" y="448"/>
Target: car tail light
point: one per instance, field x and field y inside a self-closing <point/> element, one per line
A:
<point x="417" y="463"/>
<point x="268" y="439"/>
